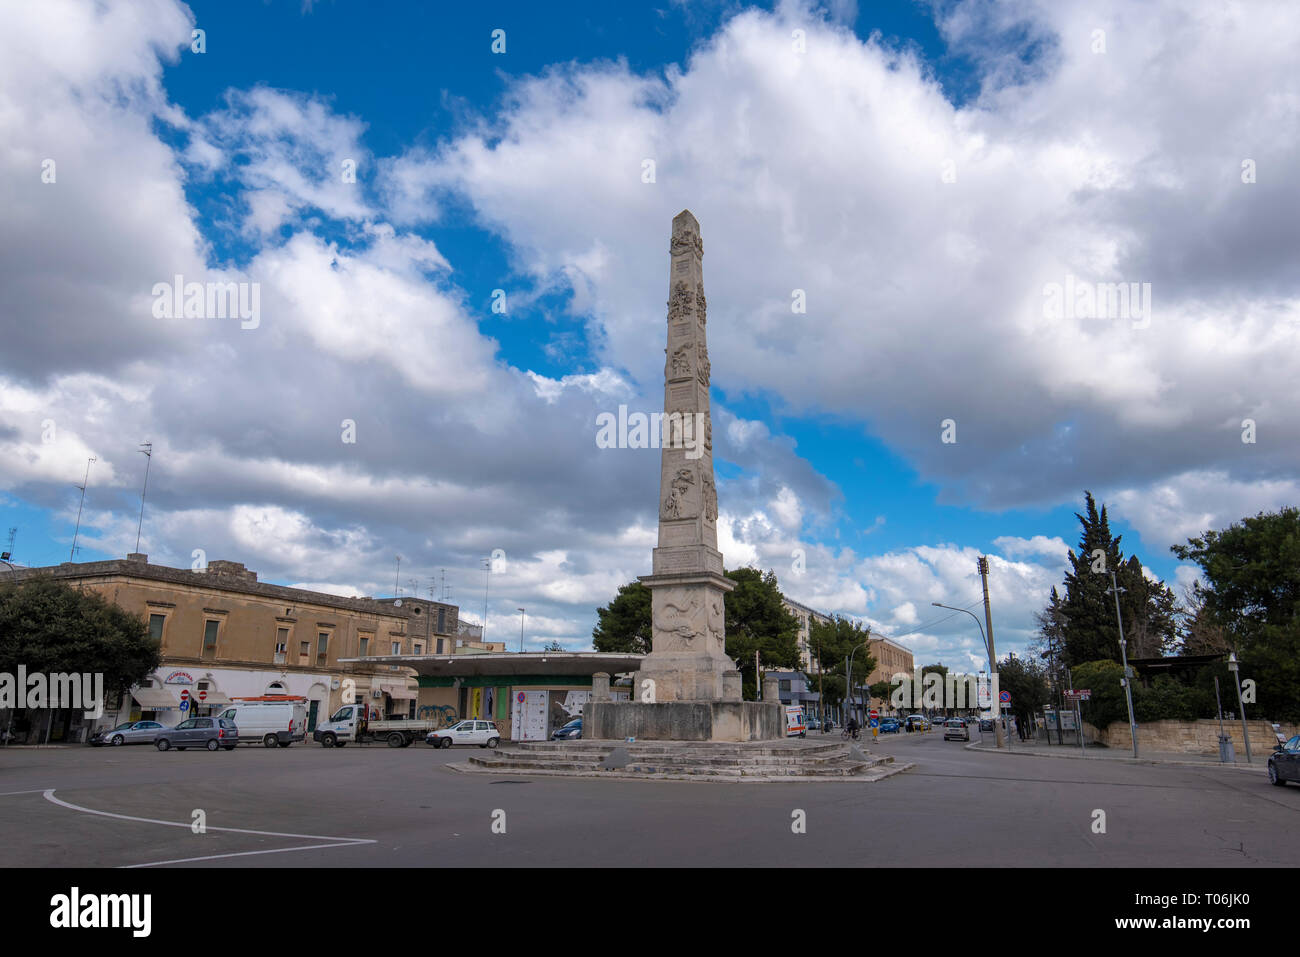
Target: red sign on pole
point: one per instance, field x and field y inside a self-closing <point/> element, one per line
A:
<point x="874" y="714"/>
<point x="185" y="693"/>
<point x="203" y="696"/>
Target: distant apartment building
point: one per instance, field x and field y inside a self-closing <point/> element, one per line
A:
<point x="224" y="634"/>
<point x="806" y="616"/>
<point x="469" y="641"/>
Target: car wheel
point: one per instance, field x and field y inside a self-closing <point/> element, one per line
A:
<point x="327" y="740"/>
<point x="493" y="742"/>
<point x="118" y="740"/>
<point x="1274" y="777"/>
<point x="213" y="746"/>
<point x="270" y="741"/>
<point x="162" y="744"/>
<point x="446" y="742"/>
<point x="395" y="740"/>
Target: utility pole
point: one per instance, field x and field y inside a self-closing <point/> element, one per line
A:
<point x="397" y="578"/>
<point x="72" y="555"/>
<point x="983" y="565"/>
<point x="758" y="678"/>
<point x="521" y="631"/>
<point x="1128" y="676"/>
<point x="147" y="449"/>
<point x="1241" y="707"/>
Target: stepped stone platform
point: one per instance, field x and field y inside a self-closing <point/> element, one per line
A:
<point x="770" y="761"/>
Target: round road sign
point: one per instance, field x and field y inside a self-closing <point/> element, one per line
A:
<point x="203" y="696"/>
<point x="874" y="714"/>
<point x="185" y="693"/>
<point x="1004" y="696"/>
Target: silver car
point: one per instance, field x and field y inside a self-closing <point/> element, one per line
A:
<point x="132" y="732"/>
<point x="211" y="733"/>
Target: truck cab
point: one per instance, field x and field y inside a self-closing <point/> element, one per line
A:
<point x="344" y="725"/>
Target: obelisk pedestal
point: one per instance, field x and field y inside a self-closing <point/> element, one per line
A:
<point x="686" y="689"/>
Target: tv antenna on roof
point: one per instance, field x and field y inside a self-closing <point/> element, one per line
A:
<point x="85" y="482"/>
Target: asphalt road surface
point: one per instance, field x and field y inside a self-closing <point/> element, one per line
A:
<point x="377" y="806"/>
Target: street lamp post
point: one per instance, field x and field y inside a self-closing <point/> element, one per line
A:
<point x="848" y="674"/>
<point x="1123" y="651"/>
<point x="1241" y="707"/>
<point x="521" y="631"/>
<point x="996" y="704"/>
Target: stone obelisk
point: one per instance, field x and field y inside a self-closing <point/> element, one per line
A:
<point x="688" y="658"/>
<point x="687" y="688"/>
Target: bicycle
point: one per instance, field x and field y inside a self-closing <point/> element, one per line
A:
<point x="856" y="734"/>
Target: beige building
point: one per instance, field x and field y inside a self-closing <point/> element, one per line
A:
<point x="224" y="634"/>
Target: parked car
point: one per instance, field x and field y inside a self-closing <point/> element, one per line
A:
<point x="482" y="733"/>
<point x="570" y="732"/>
<point x="1284" y="763"/>
<point x="211" y="733"/>
<point x="890" y="726"/>
<point x="813" y="723"/>
<point x="132" y="732"/>
<point x="917" y="722"/>
<point x="955" y="730"/>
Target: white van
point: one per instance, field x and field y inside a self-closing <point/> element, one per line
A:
<point x="271" y="719"/>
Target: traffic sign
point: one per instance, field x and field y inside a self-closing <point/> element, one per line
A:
<point x="203" y="696"/>
<point x="1004" y="696"/>
<point x="874" y="714"/>
<point x="185" y="693"/>
<point x="875" y="722"/>
<point x="185" y="704"/>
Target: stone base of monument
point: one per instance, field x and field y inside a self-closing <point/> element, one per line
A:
<point x="750" y="762"/>
<point x="684" y="721"/>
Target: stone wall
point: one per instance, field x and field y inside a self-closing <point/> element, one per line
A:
<point x="1190" y="737"/>
<point x="684" y="721"/>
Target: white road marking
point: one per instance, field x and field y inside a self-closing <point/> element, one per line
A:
<point x="34" y="791"/>
<point x="336" y="841"/>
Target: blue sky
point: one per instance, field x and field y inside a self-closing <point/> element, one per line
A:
<point x="919" y="170"/>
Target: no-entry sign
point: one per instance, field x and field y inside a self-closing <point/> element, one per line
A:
<point x="203" y="696"/>
<point x="874" y="714"/>
<point x="185" y="693"/>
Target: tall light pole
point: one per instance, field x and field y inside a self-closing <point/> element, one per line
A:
<point x="996" y="704"/>
<point x="521" y="631"/>
<point x="848" y="674"/>
<point x="1241" y="707"/>
<point x="1128" y="678"/>
<point x="147" y="449"/>
<point x="487" y="574"/>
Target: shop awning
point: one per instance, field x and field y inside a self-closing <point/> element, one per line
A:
<point x="154" y="699"/>
<point x="400" y="693"/>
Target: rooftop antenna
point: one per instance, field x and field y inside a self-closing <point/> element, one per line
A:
<point x="147" y="449"/>
<point x="85" y="482"/>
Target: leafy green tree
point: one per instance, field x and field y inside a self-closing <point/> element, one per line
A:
<point x="52" y="627"/>
<point x="1026" y="680"/>
<point x="756" y="619"/>
<point x="1107" y="703"/>
<point x="553" y="645"/>
<point x="623" y="626"/>
<point x="1086" y="615"/>
<point x="1252" y="574"/>
<point x="830" y="644"/>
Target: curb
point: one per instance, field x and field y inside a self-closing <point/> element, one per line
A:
<point x="1129" y="761"/>
<point x="870" y="777"/>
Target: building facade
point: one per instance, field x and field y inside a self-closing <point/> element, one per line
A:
<point x="223" y="634"/>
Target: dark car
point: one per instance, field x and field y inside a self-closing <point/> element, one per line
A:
<point x="890" y="726"/>
<point x="569" y="732"/>
<point x="1284" y="763"/>
<point x="132" y="732"/>
<point x="211" y="733"/>
<point x="986" y="725"/>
